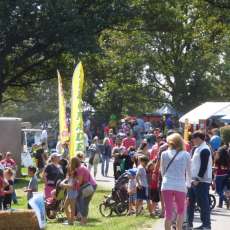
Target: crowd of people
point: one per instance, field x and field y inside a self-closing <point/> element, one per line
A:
<point x="167" y="172"/>
<point x="173" y="172"/>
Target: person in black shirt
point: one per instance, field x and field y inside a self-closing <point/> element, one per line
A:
<point x="41" y="158"/>
<point x="52" y="173"/>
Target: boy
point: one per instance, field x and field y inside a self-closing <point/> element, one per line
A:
<point x="132" y="191"/>
<point x="33" y="184"/>
<point x="142" y="185"/>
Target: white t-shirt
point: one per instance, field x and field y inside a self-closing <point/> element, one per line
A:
<point x="178" y="175"/>
<point x="44" y="135"/>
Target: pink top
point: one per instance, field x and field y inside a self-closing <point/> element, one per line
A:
<point x="154" y="152"/>
<point x="87" y="177"/>
<point x="129" y="142"/>
<point x="8" y="163"/>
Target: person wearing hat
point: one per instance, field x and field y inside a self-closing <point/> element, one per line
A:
<point x="132" y="190"/>
<point x="52" y="173"/>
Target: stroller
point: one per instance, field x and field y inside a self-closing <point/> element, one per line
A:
<point x="117" y="201"/>
<point x="55" y="205"/>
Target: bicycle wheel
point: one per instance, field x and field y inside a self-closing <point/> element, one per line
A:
<point x="212" y="201"/>
<point x="105" y="210"/>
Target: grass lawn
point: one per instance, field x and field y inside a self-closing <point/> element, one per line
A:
<point x="96" y="221"/>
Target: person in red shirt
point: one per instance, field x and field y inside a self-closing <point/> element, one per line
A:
<point x="153" y="182"/>
<point x="129" y="141"/>
<point x="3" y="184"/>
<point x="8" y="162"/>
<point x="155" y="149"/>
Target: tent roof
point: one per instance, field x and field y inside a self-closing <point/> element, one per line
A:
<point x="205" y="111"/>
<point x="166" y="110"/>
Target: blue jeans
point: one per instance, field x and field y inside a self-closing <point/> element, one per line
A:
<point x="82" y="204"/>
<point x="219" y="180"/>
<point x="105" y="165"/>
<point x="199" y="194"/>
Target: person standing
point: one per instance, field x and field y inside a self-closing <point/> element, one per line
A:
<point x="52" y="173"/>
<point x="8" y="190"/>
<point x="215" y="140"/>
<point x="222" y="166"/>
<point x="83" y="201"/>
<point x="33" y="184"/>
<point x="94" y="157"/>
<point x="175" y="167"/>
<point x="117" y="154"/>
<point x="106" y="155"/>
<point x="201" y="180"/>
<point x="156" y="148"/>
<point x="129" y="141"/>
<point x="41" y="158"/>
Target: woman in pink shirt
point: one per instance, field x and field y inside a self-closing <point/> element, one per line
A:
<point x="84" y="177"/>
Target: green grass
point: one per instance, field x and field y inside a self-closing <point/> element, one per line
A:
<point x="96" y="221"/>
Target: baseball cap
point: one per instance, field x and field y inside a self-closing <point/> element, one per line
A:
<point x="132" y="171"/>
<point x="55" y="155"/>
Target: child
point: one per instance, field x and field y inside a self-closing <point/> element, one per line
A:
<point x="132" y="190"/>
<point x="8" y="190"/>
<point x="33" y="183"/>
<point x="3" y="184"/>
<point x="142" y="185"/>
<point x="72" y="193"/>
<point x="153" y="179"/>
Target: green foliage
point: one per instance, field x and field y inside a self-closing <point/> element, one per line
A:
<point x="225" y="134"/>
<point x="137" y="54"/>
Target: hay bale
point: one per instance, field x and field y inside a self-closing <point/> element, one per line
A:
<point x="18" y="220"/>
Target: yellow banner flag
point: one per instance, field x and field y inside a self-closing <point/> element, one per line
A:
<point x="76" y="125"/>
<point x="63" y="129"/>
<point x="186" y="130"/>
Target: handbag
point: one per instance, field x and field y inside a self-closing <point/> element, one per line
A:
<point x="87" y="190"/>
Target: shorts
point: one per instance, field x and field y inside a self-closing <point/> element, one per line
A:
<point x="132" y="198"/>
<point x="142" y="193"/>
<point x="72" y="194"/>
<point x="154" y="195"/>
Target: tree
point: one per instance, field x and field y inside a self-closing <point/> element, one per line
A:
<point x="36" y="34"/>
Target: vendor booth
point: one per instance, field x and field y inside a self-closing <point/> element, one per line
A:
<point x="207" y="115"/>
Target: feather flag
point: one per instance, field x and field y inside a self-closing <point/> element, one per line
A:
<point x="63" y="128"/>
<point x="76" y="125"/>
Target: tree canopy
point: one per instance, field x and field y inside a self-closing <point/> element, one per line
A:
<point x="137" y="54"/>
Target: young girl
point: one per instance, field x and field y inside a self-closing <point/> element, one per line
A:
<point x="142" y="185"/>
<point x="8" y="190"/>
<point x="153" y="179"/>
<point x="72" y="191"/>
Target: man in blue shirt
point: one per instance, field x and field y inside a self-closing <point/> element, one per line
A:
<point x="215" y="140"/>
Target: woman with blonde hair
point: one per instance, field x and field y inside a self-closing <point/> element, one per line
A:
<point x="176" y="172"/>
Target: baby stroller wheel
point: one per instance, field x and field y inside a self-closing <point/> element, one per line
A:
<point x="212" y="201"/>
<point x="105" y="210"/>
<point x="50" y="214"/>
<point x="121" y="209"/>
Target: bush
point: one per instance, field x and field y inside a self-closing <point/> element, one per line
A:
<point x="225" y="134"/>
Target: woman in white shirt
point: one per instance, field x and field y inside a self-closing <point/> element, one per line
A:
<point x="176" y="173"/>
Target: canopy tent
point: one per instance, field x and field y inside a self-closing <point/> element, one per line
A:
<point x="206" y="111"/>
<point x="167" y="110"/>
<point x="225" y="118"/>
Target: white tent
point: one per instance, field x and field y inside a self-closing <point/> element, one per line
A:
<point x="206" y="111"/>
